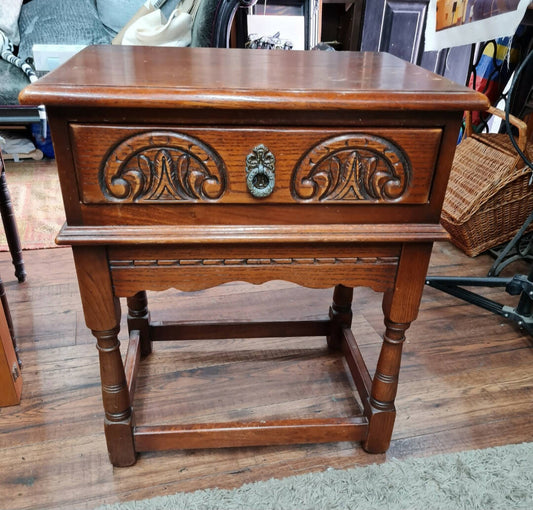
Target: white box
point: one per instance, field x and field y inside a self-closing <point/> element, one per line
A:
<point x="47" y="57"/>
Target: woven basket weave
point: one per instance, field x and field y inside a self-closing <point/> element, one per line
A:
<point x="488" y="196"/>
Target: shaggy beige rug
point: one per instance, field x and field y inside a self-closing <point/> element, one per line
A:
<point x="498" y="478"/>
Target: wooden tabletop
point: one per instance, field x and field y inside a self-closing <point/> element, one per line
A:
<point x="250" y="79"/>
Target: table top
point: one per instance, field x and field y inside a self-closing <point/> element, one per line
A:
<point x="151" y="77"/>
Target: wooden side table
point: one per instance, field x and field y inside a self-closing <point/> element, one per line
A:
<point x="189" y="168"/>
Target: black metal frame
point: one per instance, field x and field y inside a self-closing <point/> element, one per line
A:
<point x="517" y="285"/>
<point x="224" y="14"/>
<point x="19" y="114"/>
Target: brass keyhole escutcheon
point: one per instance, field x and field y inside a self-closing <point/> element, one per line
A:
<point x="260" y="172"/>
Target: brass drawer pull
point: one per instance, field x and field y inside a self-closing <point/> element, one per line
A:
<point x="260" y="168"/>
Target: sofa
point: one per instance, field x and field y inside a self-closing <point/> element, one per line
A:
<point x="90" y="22"/>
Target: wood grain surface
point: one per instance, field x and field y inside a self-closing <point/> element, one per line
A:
<point x="291" y="80"/>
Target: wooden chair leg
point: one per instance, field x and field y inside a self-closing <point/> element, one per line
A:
<point x="10" y="225"/>
<point x="139" y="319"/>
<point x="340" y="314"/>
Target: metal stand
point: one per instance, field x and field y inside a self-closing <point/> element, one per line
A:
<point x="517" y="285"/>
<point x="519" y="248"/>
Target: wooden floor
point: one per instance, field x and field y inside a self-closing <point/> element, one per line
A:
<point x="466" y="383"/>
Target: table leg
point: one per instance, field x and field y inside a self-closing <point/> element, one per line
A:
<point x="139" y="319"/>
<point x="10" y="225"/>
<point x="400" y="307"/>
<point x="102" y="315"/>
<point x="340" y="314"/>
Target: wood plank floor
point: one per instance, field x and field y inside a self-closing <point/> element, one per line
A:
<point x="466" y="383"/>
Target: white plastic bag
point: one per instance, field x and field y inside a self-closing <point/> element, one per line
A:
<point x="153" y="29"/>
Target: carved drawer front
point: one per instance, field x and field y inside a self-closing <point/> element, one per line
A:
<point x="149" y="164"/>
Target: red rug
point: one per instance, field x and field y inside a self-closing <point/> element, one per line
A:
<point x="37" y="203"/>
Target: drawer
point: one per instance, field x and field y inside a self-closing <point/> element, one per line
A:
<point x="147" y="164"/>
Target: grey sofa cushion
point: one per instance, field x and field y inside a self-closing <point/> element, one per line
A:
<point x="12" y="81"/>
<point x="59" y="22"/>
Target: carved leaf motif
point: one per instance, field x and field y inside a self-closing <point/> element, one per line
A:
<point x="163" y="166"/>
<point x="352" y="167"/>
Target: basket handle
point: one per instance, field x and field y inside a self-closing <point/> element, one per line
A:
<point x="515" y="121"/>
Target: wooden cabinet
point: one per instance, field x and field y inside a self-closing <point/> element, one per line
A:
<point x="326" y="169"/>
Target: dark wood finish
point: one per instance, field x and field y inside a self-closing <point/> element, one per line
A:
<point x="139" y="320"/>
<point x="10" y="224"/>
<point x="157" y="198"/>
<point x="204" y="70"/>
<point x="465" y="384"/>
<point x="131" y="362"/>
<point x="273" y="432"/>
<point x="220" y="329"/>
<point x="357" y="367"/>
<point x="340" y="315"/>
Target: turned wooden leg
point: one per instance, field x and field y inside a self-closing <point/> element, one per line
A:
<point x="115" y="395"/>
<point x="139" y="319"/>
<point x="400" y="307"/>
<point x="10" y="225"/>
<point x="384" y="388"/>
<point x="340" y="314"/>
<point x="102" y="315"/>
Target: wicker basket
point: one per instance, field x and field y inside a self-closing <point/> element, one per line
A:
<point x="488" y="196"/>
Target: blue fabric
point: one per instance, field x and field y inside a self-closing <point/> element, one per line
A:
<point x="44" y="144"/>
